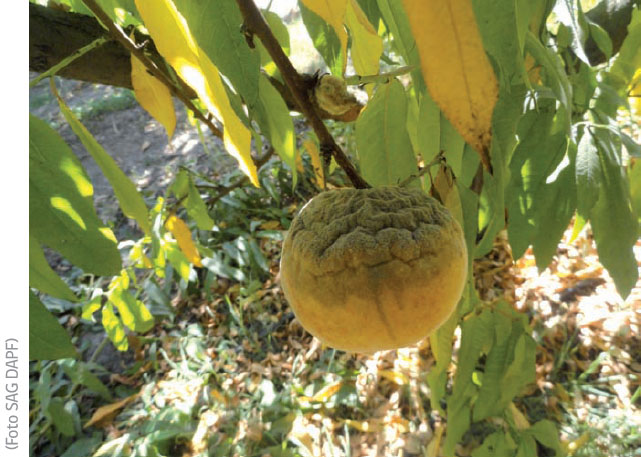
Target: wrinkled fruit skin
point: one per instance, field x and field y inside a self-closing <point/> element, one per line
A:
<point x="373" y="269"/>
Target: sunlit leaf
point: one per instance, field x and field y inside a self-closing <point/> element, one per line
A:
<point x="182" y="234"/>
<point x="134" y="313"/>
<point x="104" y="415"/>
<point x="215" y="27"/>
<point x="61" y="212"/>
<point x="114" y="328"/>
<point x="314" y="154"/>
<point x="325" y="40"/>
<point x="176" y="44"/>
<point x="48" y="340"/>
<point x="153" y="96"/>
<point x="366" y="46"/>
<point x="588" y="174"/>
<point x="42" y="277"/>
<point x="130" y="200"/>
<point x="383" y="144"/>
<point x="457" y="72"/>
<point x="277" y="124"/>
<point x="332" y="12"/>
<point x="324" y="394"/>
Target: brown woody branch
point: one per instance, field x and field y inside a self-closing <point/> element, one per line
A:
<point x="117" y="34"/>
<point x="255" y="24"/>
<point x="55" y="35"/>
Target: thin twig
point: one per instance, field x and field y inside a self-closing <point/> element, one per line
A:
<point x="255" y="24"/>
<point x="64" y="62"/>
<point x="119" y="35"/>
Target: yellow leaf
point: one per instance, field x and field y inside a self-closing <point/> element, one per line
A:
<point x="324" y="394"/>
<point x="520" y="421"/>
<point x="448" y="192"/>
<point x="175" y="43"/>
<point x="317" y="165"/>
<point x="367" y="46"/>
<point x="395" y="376"/>
<point x="435" y="445"/>
<point x="455" y="67"/>
<point x="181" y="233"/>
<point x="332" y="12"/>
<point x="153" y="96"/>
<point x="365" y="426"/>
<point x="105" y="414"/>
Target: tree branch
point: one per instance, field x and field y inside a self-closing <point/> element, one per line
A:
<point x="117" y="33"/>
<point x="255" y="24"/>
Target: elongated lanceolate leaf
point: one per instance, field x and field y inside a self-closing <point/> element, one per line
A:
<point x="274" y="119"/>
<point x="383" y="144"/>
<point x="216" y="28"/>
<point x="130" y="200"/>
<point x="456" y="69"/>
<point x="153" y="96"/>
<point x="613" y="223"/>
<point x="182" y="234"/>
<point x="61" y="212"/>
<point x="42" y="277"/>
<point x="332" y="12"/>
<point x="325" y="40"/>
<point x="114" y="328"/>
<point x="367" y="46"/>
<point x="48" y="340"/>
<point x="588" y="174"/>
<point x="176" y="44"/>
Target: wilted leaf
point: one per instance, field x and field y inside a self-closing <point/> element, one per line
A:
<point x="48" y="340"/>
<point x="61" y="212"/>
<point x="104" y="415"/>
<point x="396" y="377"/>
<point x="457" y="72"/>
<point x="324" y="394"/>
<point x="153" y="96"/>
<point x="130" y="200"/>
<point x="317" y="165"/>
<point x="175" y="43"/>
<point x="42" y="277"/>
<point x="182" y="234"/>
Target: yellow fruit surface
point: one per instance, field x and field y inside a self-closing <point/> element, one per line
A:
<point x="373" y="269"/>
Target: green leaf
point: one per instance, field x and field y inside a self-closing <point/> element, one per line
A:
<point x="324" y="38"/>
<point x="279" y="29"/>
<point x="48" y="340"/>
<point x="130" y="200"/>
<point x="546" y="433"/>
<point x="452" y="145"/>
<point x="216" y="28"/>
<point x="79" y="373"/>
<point x="601" y="38"/>
<point x="556" y="76"/>
<point x="134" y="313"/>
<point x="588" y="174"/>
<point x="553" y="211"/>
<point x="42" y="277"/>
<point x="634" y="178"/>
<point x="83" y="447"/>
<point x="614" y="226"/>
<point x="527" y="447"/>
<point x="458" y="420"/>
<point x="114" y="328"/>
<point x="383" y="144"/>
<point x="542" y="147"/>
<point x="185" y="190"/>
<point x="428" y="133"/>
<point x="520" y="372"/>
<point x="61" y="212"/>
<point x="628" y="59"/>
<point x="179" y="261"/>
<point x="276" y="124"/>
<point x="476" y="337"/>
<point x="396" y="21"/>
<point x="498" y="27"/>
<point x="61" y="418"/>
